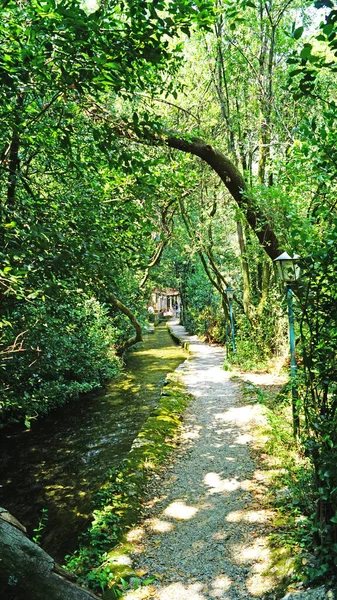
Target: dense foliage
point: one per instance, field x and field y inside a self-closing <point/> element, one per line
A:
<point x="104" y="108"/>
<point x="78" y="205"/>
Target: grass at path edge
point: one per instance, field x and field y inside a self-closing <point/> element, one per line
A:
<point x="289" y="491"/>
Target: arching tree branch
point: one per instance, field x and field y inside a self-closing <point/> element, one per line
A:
<point x="154" y="261"/>
<point x="166" y="227"/>
<point x="235" y="184"/>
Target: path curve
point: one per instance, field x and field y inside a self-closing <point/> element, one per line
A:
<point x="205" y="533"/>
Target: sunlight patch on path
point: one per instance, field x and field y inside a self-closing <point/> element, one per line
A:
<point x="218" y="485"/>
<point x="206" y="537"/>
<point x="179" y="510"/>
<point x="159" y="526"/>
<point x="221" y="584"/>
<point x="257" y="554"/>
<point x="242" y="414"/>
<point x="249" y="516"/>
<point x="181" y="591"/>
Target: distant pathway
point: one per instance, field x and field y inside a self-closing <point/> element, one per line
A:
<point x="205" y="534"/>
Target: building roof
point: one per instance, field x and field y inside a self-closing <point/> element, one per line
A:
<point x="166" y="291"/>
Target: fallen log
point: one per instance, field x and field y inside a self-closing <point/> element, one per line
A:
<point x="33" y="574"/>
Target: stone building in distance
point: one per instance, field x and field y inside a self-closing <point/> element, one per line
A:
<point x="166" y="301"/>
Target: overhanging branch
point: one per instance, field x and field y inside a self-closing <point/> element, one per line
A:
<point x="235" y="184"/>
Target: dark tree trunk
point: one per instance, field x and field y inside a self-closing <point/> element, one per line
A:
<point x="32" y="572"/>
<point x="138" y="337"/>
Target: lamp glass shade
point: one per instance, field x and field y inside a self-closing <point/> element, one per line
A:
<point x="287" y="266"/>
<point x="229" y="293"/>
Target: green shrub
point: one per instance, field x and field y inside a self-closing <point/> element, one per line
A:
<point x="67" y="349"/>
<point x="207" y="322"/>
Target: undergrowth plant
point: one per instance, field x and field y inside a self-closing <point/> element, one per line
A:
<point x="41" y="526"/>
<point x="291" y="485"/>
<point x="67" y="349"/>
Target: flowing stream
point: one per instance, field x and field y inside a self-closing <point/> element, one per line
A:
<point x="61" y="462"/>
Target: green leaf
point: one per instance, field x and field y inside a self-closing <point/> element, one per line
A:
<point x="323" y="4"/>
<point x="295" y="72"/>
<point x="112" y="65"/>
<point x="149" y="580"/>
<point x="327" y="29"/>
<point x="298" y="32"/>
<point x="10" y="225"/>
<point x="306" y="51"/>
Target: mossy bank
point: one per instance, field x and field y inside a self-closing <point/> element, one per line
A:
<point x="98" y="562"/>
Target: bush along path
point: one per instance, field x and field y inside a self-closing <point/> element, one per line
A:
<point x="205" y="529"/>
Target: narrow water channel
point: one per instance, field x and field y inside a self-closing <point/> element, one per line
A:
<point x="60" y="463"/>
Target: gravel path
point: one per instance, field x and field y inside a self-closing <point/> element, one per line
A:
<point x="205" y="533"/>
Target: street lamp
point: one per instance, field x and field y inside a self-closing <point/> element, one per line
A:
<point x="230" y="295"/>
<point x="288" y="268"/>
<point x="289" y="272"/>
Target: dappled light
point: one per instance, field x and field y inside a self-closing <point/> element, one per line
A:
<point x="258" y="585"/>
<point x="218" y="485"/>
<point x="135" y="534"/>
<point x="160" y="526"/>
<point x="242" y="414"/>
<point x="221" y="584"/>
<point x="243" y="439"/>
<point x="249" y="516"/>
<point x="180" y="511"/>
<point x="169" y="164"/>
<point x="192" y="591"/>
<point x="191" y="433"/>
<point x="208" y="537"/>
<point x="257" y="549"/>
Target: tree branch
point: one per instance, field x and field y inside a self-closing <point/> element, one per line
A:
<point x="153" y="262"/>
<point x="138" y="337"/>
<point x="233" y="181"/>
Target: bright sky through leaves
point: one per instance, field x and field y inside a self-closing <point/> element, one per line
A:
<point x="90" y="6"/>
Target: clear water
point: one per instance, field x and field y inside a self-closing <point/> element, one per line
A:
<point x="61" y="462"/>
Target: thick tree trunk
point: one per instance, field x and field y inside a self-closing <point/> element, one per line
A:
<point x="138" y="337"/>
<point x="32" y="572"/>
<point x="228" y="173"/>
<point x="247" y="304"/>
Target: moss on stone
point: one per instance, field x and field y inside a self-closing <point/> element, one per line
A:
<point x="120" y="498"/>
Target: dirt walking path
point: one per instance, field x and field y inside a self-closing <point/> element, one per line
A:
<point x="205" y="533"/>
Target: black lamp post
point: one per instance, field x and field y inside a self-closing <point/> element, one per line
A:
<point x="289" y="272"/>
<point x="230" y="295"/>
